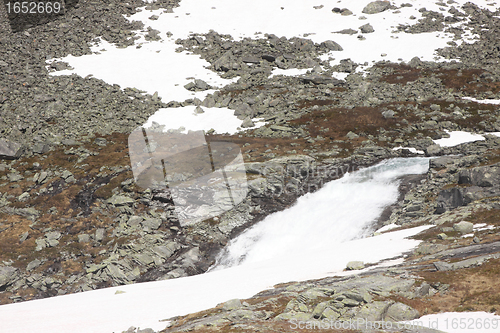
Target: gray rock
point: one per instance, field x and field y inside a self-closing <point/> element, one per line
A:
<point x="232" y="305"/>
<point x="342" y="11"/>
<point x="99" y="234"/>
<point x="197" y="85"/>
<point x="53" y="235"/>
<point x="401" y="312"/>
<point x="151" y="223"/>
<point x="14" y="177"/>
<point x="449" y="199"/>
<point x="355" y="265"/>
<point x="331" y="45"/>
<point x="484" y="176"/>
<point x="347" y="32"/>
<point x="7" y="275"/>
<point x="352" y="135"/>
<point x="24" y="236"/>
<point x="101" y="142"/>
<point x="441" y="162"/>
<point x="10" y="149"/>
<point x="463" y="227"/>
<point x="247" y="123"/>
<point x="146" y="330"/>
<point x="376" y="7"/>
<point x="366" y="28"/>
<point x="120" y="200"/>
<point x="374" y="311"/>
<point x="433" y="150"/>
<point x="115" y="273"/>
<point x="134" y="221"/>
<point x="423" y="290"/>
<point x="40" y="244"/>
<point x="33" y="264"/>
<point x="83" y="238"/>
<point x="388" y="114"/>
<point x="320" y="79"/>
<point x="442" y="266"/>
<point x="251" y="59"/>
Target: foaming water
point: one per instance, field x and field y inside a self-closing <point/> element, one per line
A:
<point x="340" y="211"/>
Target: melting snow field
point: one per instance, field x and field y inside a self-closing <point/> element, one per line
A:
<point x="156" y="67"/>
<point x="459" y="137"/>
<point x="317" y="238"/>
<point x="332" y="214"/>
<point x="255" y="263"/>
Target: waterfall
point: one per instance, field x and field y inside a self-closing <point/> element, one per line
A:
<point x="342" y="210"/>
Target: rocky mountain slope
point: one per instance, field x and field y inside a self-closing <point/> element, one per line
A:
<point x="72" y="218"/>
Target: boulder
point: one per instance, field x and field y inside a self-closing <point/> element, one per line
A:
<point x="355" y="265"/>
<point x="7" y="275"/>
<point x="10" y="149"/>
<point x="351" y="135"/>
<point x="366" y="28"/>
<point x="331" y="45"/>
<point x="232" y="304"/>
<point x="442" y="266"/>
<point x="449" y="199"/>
<point x="463" y="227"/>
<point x="376" y="7"/>
<point x="401" y="312"/>
<point x="320" y="79"/>
<point x="247" y="123"/>
<point x="120" y="200"/>
<point x="373" y="311"/>
<point x="485" y="176"/>
<point x="151" y="223"/>
<point x="433" y="150"/>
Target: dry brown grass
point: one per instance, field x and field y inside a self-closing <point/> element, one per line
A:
<point x="471" y="289"/>
<point x="466" y="80"/>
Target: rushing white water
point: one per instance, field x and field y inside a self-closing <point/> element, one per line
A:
<point x="341" y="211"/>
